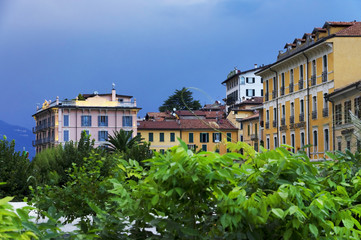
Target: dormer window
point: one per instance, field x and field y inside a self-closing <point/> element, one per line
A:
<point x="120" y="100"/>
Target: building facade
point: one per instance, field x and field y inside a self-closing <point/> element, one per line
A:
<point x="241" y="85"/>
<point x="343" y="101"/>
<point x="295" y="109"/>
<point x="98" y="115"/>
<point x="200" y="130"/>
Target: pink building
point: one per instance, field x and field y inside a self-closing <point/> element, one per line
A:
<point x="98" y="114"/>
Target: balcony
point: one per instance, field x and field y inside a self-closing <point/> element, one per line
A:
<point x="302" y="117"/>
<point x="274" y="123"/>
<point x="282" y="90"/>
<point x="290" y="87"/>
<point x="300" y="84"/>
<point x="292" y="119"/>
<point x="324" y="76"/>
<point x="43" y="141"/>
<point x="283" y="121"/>
<point x="43" y="126"/>
<point x="325" y="112"/>
<point x="267" y="125"/>
<point x="313" y="80"/>
<point x="314" y="114"/>
<point x="274" y="94"/>
<point x="254" y="137"/>
<point x="266" y="97"/>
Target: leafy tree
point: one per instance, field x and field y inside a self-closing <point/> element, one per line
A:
<point x="81" y="97"/>
<point x="180" y="100"/>
<point x="13" y="170"/>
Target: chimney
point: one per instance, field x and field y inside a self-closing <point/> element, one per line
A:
<point x="113" y="95"/>
<point x="255" y="65"/>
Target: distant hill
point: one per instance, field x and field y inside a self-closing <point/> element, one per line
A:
<point x="23" y="137"/>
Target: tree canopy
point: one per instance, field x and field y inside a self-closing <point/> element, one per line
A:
<point x="180" y="100"/>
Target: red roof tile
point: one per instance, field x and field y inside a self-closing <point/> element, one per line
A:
<point x="354" y="30"/>
<point x="184" y="124"/>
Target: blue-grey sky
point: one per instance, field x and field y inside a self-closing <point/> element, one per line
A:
<point x="148" y="48"/>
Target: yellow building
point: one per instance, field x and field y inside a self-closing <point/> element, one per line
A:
<point x="295" y="110"/>
<point x="344" y="100"/>
<point x="200" y="132"/>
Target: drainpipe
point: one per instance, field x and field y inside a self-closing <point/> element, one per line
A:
<point x="308" y="105"/>
<point x="276" y="89"/>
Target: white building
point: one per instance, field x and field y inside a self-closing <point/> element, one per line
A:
<point x="242" y="85"/>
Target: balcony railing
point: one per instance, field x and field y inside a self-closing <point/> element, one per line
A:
<point x="313" y="80"/>
<point x="43" y="126"/>
<point x="274" y="94"/>
<point x="324" y="76"/>
<point x="290" y="87"/>
<point x="266" y="97"/>
<point x="282" y="90"/>
<point x="267" y="125"/>
<point x="314" y="114"/>
<point x="325" y="112"/>
<point x="302" y="117"/>
<point x="43" y="141"/>
<point x="283" y="121"/>
<point x="300" y="84"/>
<point x="274" y="123"/>
<point x="292" y="119"/>
<point x="254" y="137"/>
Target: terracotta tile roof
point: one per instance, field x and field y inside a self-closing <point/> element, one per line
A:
<point x="189" y="113"/>
<point x="330" y="23"/>
<point x="354" y="30"/>
<point x="184" y="124"/>
<point x="318" y="29"/>
<point x="159" y="116"/>
<point x="253" y="100"/>
<point x="289" y="44"/>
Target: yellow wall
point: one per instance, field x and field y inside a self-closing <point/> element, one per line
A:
<point x="156" y="144"/>
<point x="347" y="52"/>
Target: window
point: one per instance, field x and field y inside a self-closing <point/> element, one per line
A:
<point x="204" y="137"/>
<point x="250" y="80"/>
<point x="217" y="137"/>
<point x="66" y="121"/>
<point x="66" y="135"/>
<point x="261" y="80"/>
<point x="302" y="139"/>
<point x="267" y="116"/>
<point x="283" y="139"/>
<point x="338" y="113"/>
<point x="275" y="114"/>
<point x="282" y="80"/>
<point x="102" y="121"/>
<point x="250" y="92"/>
<point x="86" y="121"/>
<point x="315" y="141"/>
<point x="102" y="136"/>
<point x="291" y="76"/>
<point x="339" y="144"/>
<point x="242" y="81"/>
<point x="172" y="137"/>
<point x="161" y="137"/>
<point x="326" y="137"/>
<point x="255" y="146"/>
<point x="292" y="109"/>
<point x="313" y="67"/>
<point x="293" y="142"/>
<point x="241" y="126"/>
<point x="204" y="147"/>
<point x="347" y="110"/>
<point x="190" y="137"/>
<point x="161" y="151"/>
<point x="127" y="121"/>
<point x="261" y="92"/>
<point x="248" y="130"/>
<point x="358" y="107"/>
<point x="358" y="145"/>
<point x="241" y="138"/>
<point x="150" y="137"/>
<point x="314" y="103"/>
<point x="268" y="143"/>
<point x="324" y="62"/>
<point x="229" y="137"/>
<point x="283" y="111"/>
<point x="301" y="72"/>
<point x="348" y="144"/>
<point x="275" y="141"/>
<point x="302" y="107"/>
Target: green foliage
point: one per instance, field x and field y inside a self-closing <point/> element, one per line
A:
<point x="122" y="140"/>
<point x="81" y="97"/>
<point x="180" y="100"/>
<point x="50" y="165"/>
<point x="13" y="170"/>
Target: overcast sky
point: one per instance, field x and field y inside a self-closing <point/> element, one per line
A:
<point x="148" y="48"/>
